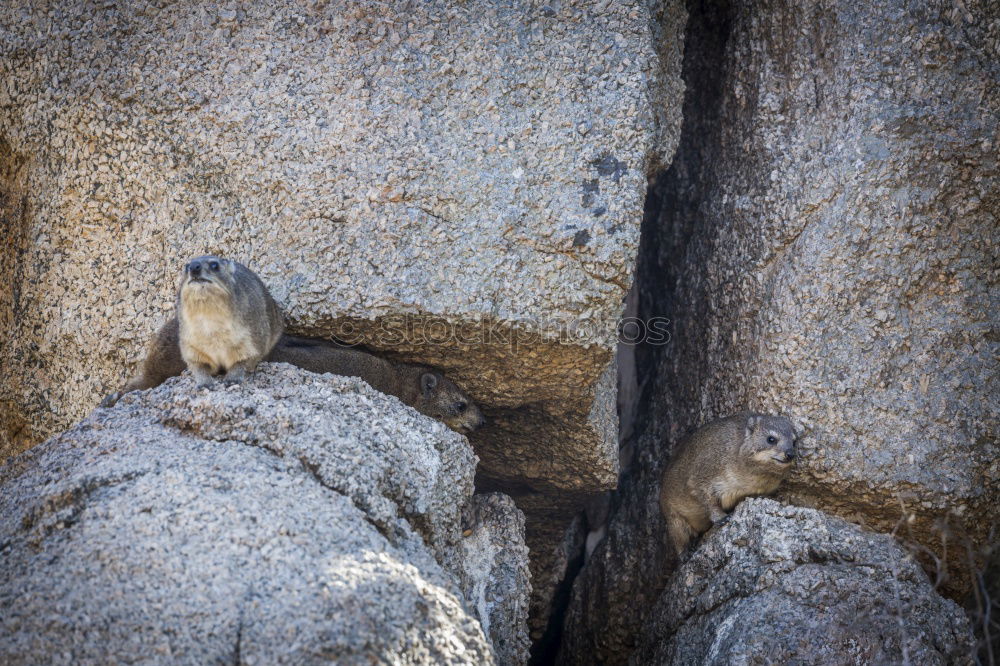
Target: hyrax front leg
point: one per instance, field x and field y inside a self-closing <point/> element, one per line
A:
<point x="202" y="374"/>
<point x="680" y="533"/>
<point x="238" y="372"/>
<point x="715" y="511"/>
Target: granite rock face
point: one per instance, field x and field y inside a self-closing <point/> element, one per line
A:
<point x="826" y="249"/>
<point x="779" y="584"/>
<point x="497" y="584"/>
<point x="296" y="518"/>
<point x="459" y="184"/>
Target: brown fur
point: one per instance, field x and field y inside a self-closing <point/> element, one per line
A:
<point x="163" y="361"/>
<point x="424" y="389"/>
<point x="720" y="464"/>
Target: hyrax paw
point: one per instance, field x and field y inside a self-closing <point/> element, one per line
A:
<point x="235" y="375"/>
<point x="721" y="520"/>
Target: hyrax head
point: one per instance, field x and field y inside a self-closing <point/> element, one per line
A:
<point x="770" y="440"/>
<point x="439" y="398"/>
<point x="207" y="276"/>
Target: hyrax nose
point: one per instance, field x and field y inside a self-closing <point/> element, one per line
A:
<point x="790" y="455"/>
<point x="194" y="268"/>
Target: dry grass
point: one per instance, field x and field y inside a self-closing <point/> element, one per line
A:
<point x="983" y="561"/>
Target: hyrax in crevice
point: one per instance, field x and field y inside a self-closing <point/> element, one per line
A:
<point x="720" y="464"/>
<point x="424" y="389"/>
<point x="228" y="321"/>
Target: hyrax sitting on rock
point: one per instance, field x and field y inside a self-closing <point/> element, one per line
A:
<point x="228" y="320"/>
<point x="720" y="464"/>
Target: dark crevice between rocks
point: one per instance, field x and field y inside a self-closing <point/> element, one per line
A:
<point x="238" y="648"/>
<point x="673" y="209"/>
<point x="546" y="649"/>
<point x="670" y="220"/>
<point x="673" y="201"/>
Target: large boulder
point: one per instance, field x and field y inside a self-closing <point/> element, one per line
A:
<point x="841" y="261"/>
<point x="825" y="248"/>
<point x="296" y="518"/>
<point x="779" y="585"/>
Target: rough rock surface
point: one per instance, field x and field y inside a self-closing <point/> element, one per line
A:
<point x="780" y="585"/>
<point x="296" y="518"/>
<point x="551" y="569"/>
<point x="497" y="584"/>
<point x="458" y="183"/>
<point x="826" y="248"/>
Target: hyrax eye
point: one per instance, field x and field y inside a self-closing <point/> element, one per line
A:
<point x="772" y="439"/>
<point x="214" y="265"/>
<point x="461" y="406"/>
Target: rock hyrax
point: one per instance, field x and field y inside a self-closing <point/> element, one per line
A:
<point x="424" y="389"/>
<point x="228" y="320"/>
<point x="720" y="464"/>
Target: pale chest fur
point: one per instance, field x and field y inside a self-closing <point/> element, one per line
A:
<point x="212" y="335"/>
<point x="732" y="486"/>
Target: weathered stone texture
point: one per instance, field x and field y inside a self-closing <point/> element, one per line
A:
<point x="787" y="585"/>
<point x="497" y="584"/>
<point x="429" y="179"/>
<point x="826" y="248"/>
<point x="297" y="518"/>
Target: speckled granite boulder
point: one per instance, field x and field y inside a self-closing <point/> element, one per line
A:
<point x="781" y="585"/>
<point x="498" y="584"/>
<point x="296" y="518"/>
<point x="460" y="183"/>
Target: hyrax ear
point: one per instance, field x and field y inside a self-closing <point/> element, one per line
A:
<point x="754" y="423"/>
<point x="428" y="382"/>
